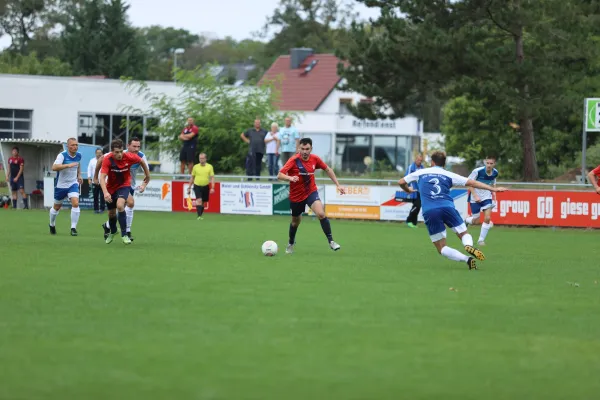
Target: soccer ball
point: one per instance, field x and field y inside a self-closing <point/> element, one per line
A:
<point x="269" y="248"/>
<point x="4" y="200"/>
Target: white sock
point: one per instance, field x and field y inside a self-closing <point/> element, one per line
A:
<point x="74" y="217"/>
<point x="469" y="220"/>
<point x="129" y="214"/>
<point x="485" y="228"/>
<point x="53" y="215"/>
<point x="107" y="224"/>
<point x="467" y="240"/>
<point x="454" y="254"/>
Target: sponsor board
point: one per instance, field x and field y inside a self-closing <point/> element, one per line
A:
<point x="156" y="197"/>
<point x="246" y="198"/>
<point x="354" y="195"/>
<point x="180" y="194"/>
<point x="352" y="212"/>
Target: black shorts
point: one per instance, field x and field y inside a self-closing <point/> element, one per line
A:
<point x="297" y="209"/>
<point x="122" y="193"/>
<point x="19" y="184"/>
<point x="187" y="154"/>
<point x="202" y="192"/>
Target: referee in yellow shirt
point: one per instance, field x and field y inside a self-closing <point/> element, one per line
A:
<point x="202" y="175"/>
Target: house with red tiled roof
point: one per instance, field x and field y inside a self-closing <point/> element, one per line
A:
<point x="308" y="85"/>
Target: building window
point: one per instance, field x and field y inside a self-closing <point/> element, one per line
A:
<point x="344" y="103"/>
<point x="353" y="153"/>
<point x="101" y="129"/>
<point x="15" y="124"/>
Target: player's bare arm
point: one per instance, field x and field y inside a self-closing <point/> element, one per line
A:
<point x="19" y="173"/>
<point x="594" y="181"/>
<point x="60" y="167"/>
<point x="97" y="171"/>
<point x="79" y="177"/>
<point x="333" y="178"/>
<point x="474" y="194"/>
<point x="146" y="176"/>
<point x="283" y="177"/>
<point x="107" y="196"/>
<point x="479" y="185"/>
<point x="404" y="186"/>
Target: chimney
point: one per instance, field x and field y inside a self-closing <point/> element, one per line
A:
<point x="298" y="55"/>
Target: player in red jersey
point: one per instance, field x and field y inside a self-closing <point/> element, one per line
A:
<point x="299" y="171"/>
<point x="116" y="165"/>
<point x="594" y="178"/>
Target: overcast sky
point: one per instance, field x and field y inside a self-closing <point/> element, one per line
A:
<point x="236" y="18"/>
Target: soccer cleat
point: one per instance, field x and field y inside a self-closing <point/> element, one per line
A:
<point x="126" y="239"/>
<point x="109" y="238"/>
<point x="481" y="243"/>
<point x="471" y="263"/>
<point x="411" y="225"/>
<point x="52" y="230"/>
<point x="475" y="252"/>
<point x="106" y="231"/>
<point x="334" y="246"/>
<point x="73" y="232"/>
<point x="289" y="249"/>
<point x="129" y="236"/>
<point x="200" y="219"/>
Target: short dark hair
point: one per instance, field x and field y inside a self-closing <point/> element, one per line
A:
<point x="16" y="148"/>
<point x="306" y="140"/>
<point x="134" y="139"/>
<point x="439" y="158"/>
<point x="490" y="157"/>
<point x="116" y="144"/>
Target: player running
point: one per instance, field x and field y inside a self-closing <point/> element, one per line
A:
<point x="438" y="207"/>
<point x="300" y="171"/>
<point x="66" y="184"/>
<point x="134" y="148"/>
<point x="482" y="200"/>
<point x="117" y="165"/>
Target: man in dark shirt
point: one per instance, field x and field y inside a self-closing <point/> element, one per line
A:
<point x="189" y="137"/>
<point x="255" y="137"/>
<point x="15" y="178"/>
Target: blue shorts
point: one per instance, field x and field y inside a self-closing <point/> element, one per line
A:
<point x="476" y="208"/>
<point x="131" y="191"/>
<point x="437" y="219"/>
<point x="298" y="208"/>
<point x="19" y="184"/>
<point x="122" y="193"/>
<point x="61" y="193"/>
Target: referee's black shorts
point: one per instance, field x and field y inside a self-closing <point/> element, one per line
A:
<point x="202" y="192"/>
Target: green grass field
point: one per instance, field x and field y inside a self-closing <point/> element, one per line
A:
<point x="192" y="310"/>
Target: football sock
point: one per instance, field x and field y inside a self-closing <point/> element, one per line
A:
<point x="14" y="203"/>
<point x="454" y="254"/>
<point x="469" y="220"/>
<point x="129" y="213"/>
<point x="293" y="230"/>
<point x="53" y="214"/>
<point x="122" y="216"/>
<point x="326" y="226"/>
<point x="74" y="217"/>
<point x="25" y="203"/>
<point x="485" y="228"/>
<point x="107" y="224"/>
<point x="200" y="210"/>
<point x="112" y="223"/>
<point x="467" y="240"/>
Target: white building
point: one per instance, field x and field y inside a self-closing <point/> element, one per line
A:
<point x="308" y="84"/>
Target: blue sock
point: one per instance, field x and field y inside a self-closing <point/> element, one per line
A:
<point x="326" y="226"/>
<point x="122" y="216"/>
<point x="14" y="203"/>
<point x="25" y="203"/>
<point x="293" y="230"/>
<point x="112" y="223"/>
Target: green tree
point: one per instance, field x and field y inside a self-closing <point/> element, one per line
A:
<point x="15" y="63"/>
<point x="20" y="19"/>
<point x="221" y="113"/>
<point x="515" y="55"/>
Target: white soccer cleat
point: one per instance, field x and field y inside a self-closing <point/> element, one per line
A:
<point x="334" y="246"/>
<point x="289" y="249"/>
<point x="481" y="243"/>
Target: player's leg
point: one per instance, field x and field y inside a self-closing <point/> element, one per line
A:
<point x="59" y="195"/>
<point x="199" y="192"/>
<point x="75" y="211"/>
<point x="297" y="209"/>
<point x="315" y="204"/>
<point x="486" y="225"/>
<point x="111" y="206"/>
<point x="129" y="212"/>
<point x="473" y="219"/>
<point x="14" y="187"/>
<point x="122" y="195"/>
<point x="452" y="219"/>
<point x="453" y="254"/>
<point x="437" y="233"/>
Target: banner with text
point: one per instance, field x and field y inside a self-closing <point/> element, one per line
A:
<point x="180" y="194"/>
<point x="246" y="198"/>
<point x="547" y="208"/>
<point x="357" y="202"/>
<point x="281" y="199"/>
<point x="156" y="197"/>
<point x="394" y="207"/>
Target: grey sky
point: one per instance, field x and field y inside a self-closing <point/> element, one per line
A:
<point x="235" y="18"/>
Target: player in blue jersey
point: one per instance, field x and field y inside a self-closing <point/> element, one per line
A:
<point x="438" y="207"/>
<point x="133" y="147"/>
<point x="482" y="200"/>
<point x="66" y="184"/>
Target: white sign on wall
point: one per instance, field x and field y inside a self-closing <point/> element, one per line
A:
<point x="156" y="197"/>
<point x="355" y="195"/>
<point x="246" y="198"/>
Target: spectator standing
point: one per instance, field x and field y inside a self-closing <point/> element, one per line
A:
<point x="99" y="203"/>
<point x="255" y="137"/>
<point x="415" y="197"/>
<point x="272" y="144"/>
<point x="189" y="139"/>
<point x="15" y="177"/>
<point x="290" y="141"/>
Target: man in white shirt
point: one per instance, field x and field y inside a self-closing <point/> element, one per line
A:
<point x="272" y="144"/>
<point x="99" y="203"/>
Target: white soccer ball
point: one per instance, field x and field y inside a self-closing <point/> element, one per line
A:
<point x="269" y="248"/>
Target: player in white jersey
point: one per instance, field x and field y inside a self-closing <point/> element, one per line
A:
<point x="67" y="184"/>
<point x="438" y="207"/>
<point x="133" y="146"/>
<point x="482" y="200"/>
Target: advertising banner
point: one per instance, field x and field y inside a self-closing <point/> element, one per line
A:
<point x="354" y="195"/>
<point x="156" y="197"/>
<point x="352" y="212"/>
<point x="246" y="198"/>
<point x="547" y="208"/>
<point x="179" y="196"/>
<point x="395" y="208"/>
<point x="281" y="199"/>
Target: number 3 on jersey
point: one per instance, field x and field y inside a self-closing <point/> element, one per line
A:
<point x="436" y="186"/>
